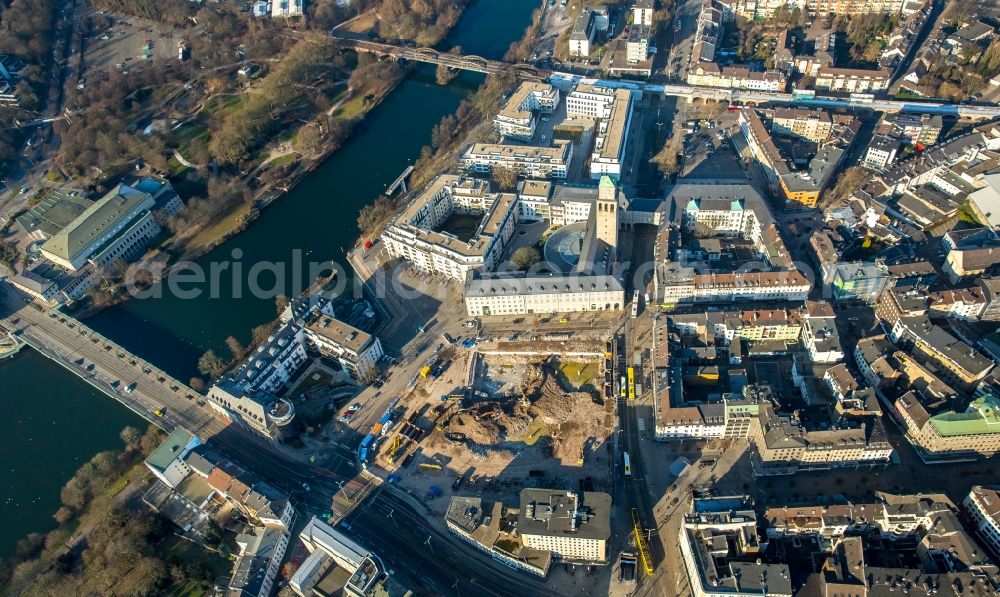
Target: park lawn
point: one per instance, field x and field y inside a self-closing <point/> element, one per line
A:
<point x="288" y="158"/>
<point x="363" y="24"/>
<point x="220" y="106"/>
<point x="175" y="166"/>
<point x="218" y="229"/>
<point x="350" y="109"/>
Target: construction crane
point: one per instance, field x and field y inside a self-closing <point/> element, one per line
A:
<point x="427" y="465"/>
<point x="640" y="543"/>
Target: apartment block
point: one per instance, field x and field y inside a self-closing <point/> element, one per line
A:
<point x="517" y="118"/>
<point x="357" y="351"/>
<point x="814" y="125"/>
<point x="527" y="161"/>
<point x="642" y="12"/>
<point x="613" y="110"/>
<point x="881" y="152"/>
<point x="983" y="506"/>
<point x="958" y="362"/>
<point x="416" y="235"/>
<point x="852" y="80"/>
<point x="819" y="333"/>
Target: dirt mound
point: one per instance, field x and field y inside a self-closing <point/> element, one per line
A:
<point x="538" y="407"/>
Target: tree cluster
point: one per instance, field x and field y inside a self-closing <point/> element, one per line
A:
<point x="849" y="181"/>
<point x="167" y="12"/>
<point x="256" y="120"/>
<point x="424" y="22"/>
<point x="119" y="556"/>
<point x="26" y="32"/>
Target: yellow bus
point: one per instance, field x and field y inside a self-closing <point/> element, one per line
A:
<point x="631" y="383"/>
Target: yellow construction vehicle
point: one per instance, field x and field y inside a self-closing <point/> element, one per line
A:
<point x="390" y="454"/>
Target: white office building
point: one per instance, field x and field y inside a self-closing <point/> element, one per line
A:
<point x="517" y="117"/>
<point x="527" y="161"/>
<point x="336" y="562"/>
<point x="356" y="351"/>
<point x="415" y="235"/>
<point x="571" y="526"/>
<point x="247" y="395"/>
<point x="116" y="226"/>
<point x="543" y="293"/>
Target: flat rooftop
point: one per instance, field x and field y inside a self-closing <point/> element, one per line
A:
<point x="617" y="122"/>
<point x="559" y="152"/>
<point x="565" y="513"/>
<point x="340" y="333"/>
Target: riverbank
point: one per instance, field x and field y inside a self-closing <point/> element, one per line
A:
<point x="245" y="214"/>
<point x="102" y="509"/>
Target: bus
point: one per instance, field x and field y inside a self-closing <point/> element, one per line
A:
<point x="627" y="464"/>
<point x="622" y="386"/>
<point x="631" y="383"/>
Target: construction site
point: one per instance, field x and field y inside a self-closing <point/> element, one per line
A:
<point x="495" y="422"/>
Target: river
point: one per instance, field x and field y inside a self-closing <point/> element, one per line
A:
<point x="56" y="421"/>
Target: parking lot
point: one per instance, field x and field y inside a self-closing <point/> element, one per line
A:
<point x="129" y="42"/>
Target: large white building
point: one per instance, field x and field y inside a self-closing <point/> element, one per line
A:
<point x="719" y="547"/>
<point x="542" y="293"/>
<point x="357" y="351"/>
<point x="517" y="117"/>
<point x="247" y="395"/>
<point x="116" y="226"/>
<point x="414" y="235"/>
<point x="337" y="562"/>
<point x="571" y="526"/>
<point x="527" y="160"/>
<point x="613" y="110"/>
